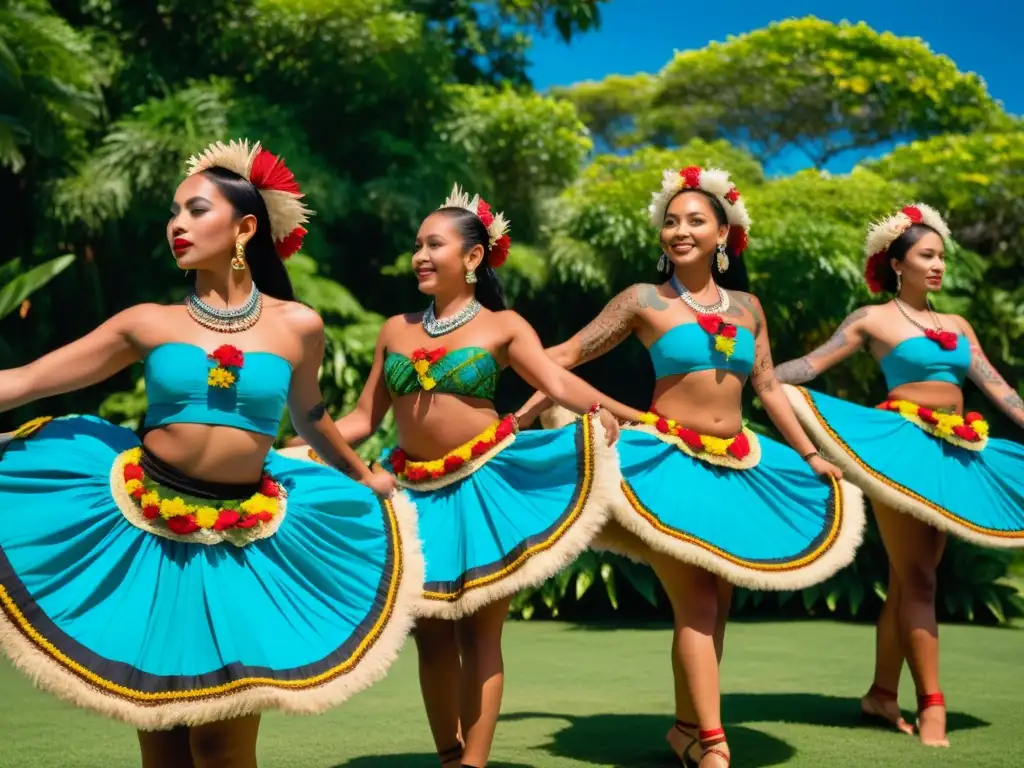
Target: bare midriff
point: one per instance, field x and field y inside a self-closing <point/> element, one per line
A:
<point x="709" y="402"/>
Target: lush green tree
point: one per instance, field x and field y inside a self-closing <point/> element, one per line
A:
<point x="489" y="40"/>
<point x="804" y="84"/>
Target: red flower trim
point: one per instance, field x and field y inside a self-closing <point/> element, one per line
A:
<point x="738" y="449"/>
<point x="913" y="213"/>
<point x="732" y="195"/>
<point x="710" y="323"/>
<point x="498" y="254"/>
<point x="691" y="176"/>
<point x="483" y="210"/>
<point x="269" y="172"/>
<point x="291" y="244"/>
<point x="413" y="472"/>
<point x="430" y="355"/>
<point x="228" y="356"/>
<point x="737" y="240"/>
<point x="945" y="339"/>
<point x="873" y="272"/>
<point x="183" y="524"/>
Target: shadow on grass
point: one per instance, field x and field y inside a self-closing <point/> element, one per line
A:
<point x="411" y="760"/>
<point x="635" y="741"/>
<point x="638" y="741"/>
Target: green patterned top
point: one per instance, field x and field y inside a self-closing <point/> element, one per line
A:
<point x="469" y="371"/>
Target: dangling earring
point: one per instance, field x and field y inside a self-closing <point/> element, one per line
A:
<point x="899" y="283"/>
<point x="722" y="258"/>
<point x="238" y="262"/>
<point x="470" y="276"/>
<point x="663" y="263"/>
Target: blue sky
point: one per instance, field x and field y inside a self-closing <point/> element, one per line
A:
<point x="641" y="36"/>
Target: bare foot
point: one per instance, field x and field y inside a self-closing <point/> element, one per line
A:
<point x="931" y="725"/>
<point x="684" y="743"/>
<point x="887" y="711"/>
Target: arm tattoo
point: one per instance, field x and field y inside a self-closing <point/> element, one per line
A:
<point x="317" y="412"/>
<point x="797" y="371"/>
<point x="839" y="340"/>
<point x="610" y="327"/>
<point x="983" y="368"/>
<point x="763" y="372"/>
<point x="1013" y="402"/>
<point x="744" y="300"/>
<point x="647" y="297"/>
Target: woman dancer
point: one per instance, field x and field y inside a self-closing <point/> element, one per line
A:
<point x="498" y="511"/>
<point x="708" y="503"/>
<point x="927" y="469"/>
<point x="187" y="583"/>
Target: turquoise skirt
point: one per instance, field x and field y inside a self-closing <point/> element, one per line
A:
<point x="512" y="517"/>
<point x="106" y="606"/>
<point x="765" y="521"/>
<point x="977" y="495"/>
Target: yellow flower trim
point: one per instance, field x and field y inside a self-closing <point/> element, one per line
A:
<point x="725" y="345"/>
<point x="422" y="368"/>
<point x="945" y="424"/>
<point x="206" y="517"/>
<point x="712" y="449"/>
<point x="220" y="377"/>
<point x="175" y="508"/>
<point x="30" y="427"/>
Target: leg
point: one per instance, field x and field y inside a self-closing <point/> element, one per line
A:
<point x="880" y="701"/>
<point x="912" y="547"/>
<point x="725" y="590"/>
<point x="483" y="678"/>
<point x="440" y="671"/>
<point x="165" y="749"/>
<point x="694" y="594"/>
<point x="225" y="744"/>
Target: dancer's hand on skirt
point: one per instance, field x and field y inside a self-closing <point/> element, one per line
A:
<point x="610" y="424"/>
<point x="382" y="483"/>
<point x="822" y="467"/>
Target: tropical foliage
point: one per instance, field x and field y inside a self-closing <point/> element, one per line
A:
<point x="380" y="105"/>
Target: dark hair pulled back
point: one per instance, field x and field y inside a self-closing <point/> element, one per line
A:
<point x="473" y="232"/>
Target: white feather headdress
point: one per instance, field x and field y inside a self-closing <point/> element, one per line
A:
<point x="271" y="177"/>
<point x="714" y="181"/>
<point x="497" y="225"/>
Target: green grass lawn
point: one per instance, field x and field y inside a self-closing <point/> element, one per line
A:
<point x="585" y="696"/>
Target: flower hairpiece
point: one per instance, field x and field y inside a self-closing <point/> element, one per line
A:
<point x="715" y="182"/>
<point x="498" y="240"/>
<point x="275" y="183"/>
<point x="883" y="233"/>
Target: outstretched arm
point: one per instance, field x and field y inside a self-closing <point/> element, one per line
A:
<point x="848" y="338"/>
<point x="89" y="360"/>
<point x="779" y="410"/>
<point x="363" y="420"/>
<point x="611" y="327"/>
<point x="309" y="414"/>
<point x="984" y="374"/>
<point x="527" y="357"/>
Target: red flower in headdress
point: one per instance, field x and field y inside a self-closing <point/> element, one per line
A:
<point x="691" y="176"/>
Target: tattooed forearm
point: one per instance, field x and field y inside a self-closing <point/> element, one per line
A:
<point x="1013" y="402"/>
<point x="797" y="371"/>
<point x="608" y="329"/>
<point x="317" y="412"/>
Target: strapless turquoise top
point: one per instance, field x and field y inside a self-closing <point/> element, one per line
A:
<point x="468" y="371"/>
<point x="921" y="359"/>
<point x="179" y="393"/>
<point x="687" y="348"/>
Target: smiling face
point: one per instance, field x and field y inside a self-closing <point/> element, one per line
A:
<point x="440" y="259"/>
<point x="204" y="226"/>
<point x="924" y="266"/>
<point x="691" y="230"/>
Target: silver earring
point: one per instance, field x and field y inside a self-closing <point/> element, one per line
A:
<point x="722" y="258"/>
<point x="470" y="276"/>
<point x="899" y="282"/>
<point x="663" y="263"/>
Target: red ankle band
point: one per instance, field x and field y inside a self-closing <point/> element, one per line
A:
<point x="712" y="736"/>
<point x="930" y="700"/>
<point x="878" y="692"/>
